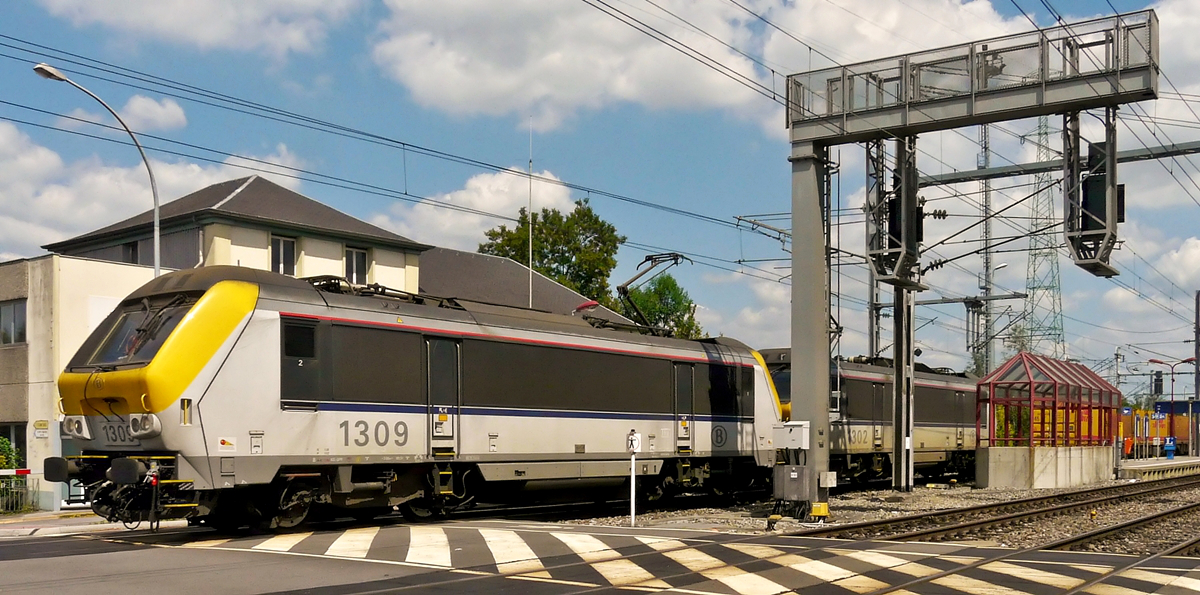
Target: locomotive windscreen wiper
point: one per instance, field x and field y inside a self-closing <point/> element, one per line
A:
<point x="149" y="325"/>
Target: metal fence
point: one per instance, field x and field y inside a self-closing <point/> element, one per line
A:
<point x="17" y="493"/>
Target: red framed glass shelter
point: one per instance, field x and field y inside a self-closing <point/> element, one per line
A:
<point x="1032" y="400"/>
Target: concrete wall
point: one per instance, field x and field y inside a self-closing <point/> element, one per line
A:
<point x="319" y="257"/>
<point x="66" y="298"/>
<point x="1042" y="467"/>
<point x="14" y="359"/>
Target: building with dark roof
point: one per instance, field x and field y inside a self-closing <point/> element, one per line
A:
<point x="256" y="223"/>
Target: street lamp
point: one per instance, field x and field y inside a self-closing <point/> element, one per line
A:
<point x="1172" y="414"/>
<point x="47" y="71"/>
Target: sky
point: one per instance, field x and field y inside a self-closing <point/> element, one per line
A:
<point x="454" y="94"/>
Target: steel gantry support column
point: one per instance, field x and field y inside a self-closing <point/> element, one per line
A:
<point x="810" y="313"/>
<point x="875" y="200"/>
<point x="902" y="414"/>
<point x="904" y="233"/>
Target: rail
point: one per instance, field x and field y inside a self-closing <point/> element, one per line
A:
<point x="958" y="520"/>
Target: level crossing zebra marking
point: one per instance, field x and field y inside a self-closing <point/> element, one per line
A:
<point x="677" y="564"/>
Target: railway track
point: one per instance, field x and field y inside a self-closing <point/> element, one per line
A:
<point x="943" y="524"/>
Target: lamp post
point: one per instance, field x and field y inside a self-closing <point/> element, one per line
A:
<point x="1172" y="414"/>
<point x="49" y="72"/>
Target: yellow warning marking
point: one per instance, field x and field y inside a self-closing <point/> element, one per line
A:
<point x="205" y="543"/>
<point x="353" y="543"/>
<point x="1033" y="574"/>
<point x="974" y="586"/>
<point x="622" y="572"/>
<point x="694" y="560"/>
<point x="1150" y="577"/>
<point x="1186" y="582"/>
<point x="547" y="579"/>
<point x="587" y="547"/>
<point x="282" y="543"/>
<point x="816" y="568"/>
<point x="511" y="553"/>
<point x="661" y="544"/>
<point x="879" y="559"/>
<point x="758" y="551"/>
<point x="861" y="584"/>
<point x="1103" y="589"/>
<point x="428" y="545"/>
<point x="744" y="582"/>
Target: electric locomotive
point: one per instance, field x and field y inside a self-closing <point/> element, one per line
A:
<point x="860" y="415"/>
<point x="233" y="396"/>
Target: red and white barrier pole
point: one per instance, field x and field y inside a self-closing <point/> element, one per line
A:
<point x="14" y="472"/>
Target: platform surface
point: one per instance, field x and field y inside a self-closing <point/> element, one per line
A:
<point x="1158" y="468"/>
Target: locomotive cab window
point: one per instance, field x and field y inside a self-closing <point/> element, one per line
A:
<point x="300" y="369"/>
<point x="134" y="334"/>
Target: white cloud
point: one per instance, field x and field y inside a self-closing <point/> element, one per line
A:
<point x="765" y="320"/>
<point x="554" y="60"/>
<point x="498" y="193"/>
<point x="1183" y="263"/>
<point x="276" y="27"/>
<point x="44" y="199"/>
<point x="144" y="113"/>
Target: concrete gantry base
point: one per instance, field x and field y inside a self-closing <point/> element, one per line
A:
<point x="1042" y="466"/>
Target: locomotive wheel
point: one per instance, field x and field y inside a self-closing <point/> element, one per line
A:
<point x="294" y="505"/>
<point x="421" y="509"/>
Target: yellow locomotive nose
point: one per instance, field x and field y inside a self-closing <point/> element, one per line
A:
<point x="147" y="353"/>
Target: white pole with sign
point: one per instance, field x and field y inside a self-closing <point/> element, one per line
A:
<point x="633" y="443"/>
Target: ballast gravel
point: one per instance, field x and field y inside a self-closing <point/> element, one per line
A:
<point x="866" y="505"/>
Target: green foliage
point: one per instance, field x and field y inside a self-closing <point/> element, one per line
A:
<point x="1018" y="340"/>
<point x="578" y="250"/>
<point x="8" y="455"/>
<point x="666" y="304"/>
<point x="976" y="366"/>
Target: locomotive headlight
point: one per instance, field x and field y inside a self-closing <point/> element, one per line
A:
<point x="145" y="425"/>
<point x="76" y="426"/>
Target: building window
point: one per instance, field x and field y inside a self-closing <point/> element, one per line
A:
<point x="12" y="322"/>
<point x="283" y="255"/>
<point x="129" y="252"/>
<point x="356" y="266"/>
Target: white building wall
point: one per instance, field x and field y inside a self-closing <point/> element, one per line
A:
<point x="319" y="257"/>
<point x="68" y="298"/>
<point x="393" y="268"/>
<point x="239" y="246"/>
<point x="249" y="248"/>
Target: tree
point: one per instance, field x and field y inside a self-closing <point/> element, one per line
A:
<point x="8" y="455"/>
<point x="1018" y="340"/>
<point x="667" y="305"/>
<point x="578" y="250"/>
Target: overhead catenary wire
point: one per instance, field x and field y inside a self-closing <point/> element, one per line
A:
<point x="216" y="100"/>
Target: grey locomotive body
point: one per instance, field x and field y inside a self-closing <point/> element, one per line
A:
<point x="365" y="398"/>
